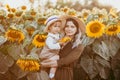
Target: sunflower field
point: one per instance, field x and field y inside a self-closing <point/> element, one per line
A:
<point x="22" y="38"/>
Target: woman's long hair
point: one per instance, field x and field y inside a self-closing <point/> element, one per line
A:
<point x="80" y="29"/>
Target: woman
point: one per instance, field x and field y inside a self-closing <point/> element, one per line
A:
<point x="71" y="51"/>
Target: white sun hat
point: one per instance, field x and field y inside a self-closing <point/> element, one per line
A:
<point x="51" y="20"/>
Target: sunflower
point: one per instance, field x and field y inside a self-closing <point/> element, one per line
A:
<point x="23" y="7"/>
<point x="103" y="14"/>
<point x="10" y="15"/>
<point x="100" y="16"/>
<point x="7" y="6"/>
<point x="65" y="9"/>
<point x="2" y="17"/>
<point x="112" y="30"/>
<point x="95" y="29"/>
<point x="9" y="10"/>
<point x="28" y="64"/>
<point x="95" y="10"/>
<point x="28" y="17"/>
<point x="13" y="10"/>
<point x="14" y="35"/>
<point x="32" y="13"/>
<point x="85" y="13"/>
<point x="41" y="21"/>
<point x="65" y="39"/>
<point x="39" y="40"/>
<point x="18" y="13"/>
<point x="2" y="13"/>
<point x="30" y="30"/>
<point x="72" y="12"/>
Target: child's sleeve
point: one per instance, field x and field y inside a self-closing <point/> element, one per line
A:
<point x="50" y="43"/>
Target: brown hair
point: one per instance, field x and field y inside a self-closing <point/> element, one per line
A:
<point x="74" y="22"/>
<point x="80" y="28"/>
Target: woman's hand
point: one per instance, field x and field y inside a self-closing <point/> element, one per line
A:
<point x="49" y="63"/>
<point x="62" y="44"/>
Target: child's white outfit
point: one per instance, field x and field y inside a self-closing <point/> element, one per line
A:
<point x="50" y="50"/>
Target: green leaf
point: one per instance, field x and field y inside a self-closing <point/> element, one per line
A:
<point x="114" y="45"/>
<point x="87" y="40"/>
<point x="3" y="48"/>
<point x="90" y="18"/>
<point x="2" y="40"/>
<point x="101" y="49"/>
<point x="26" y="42"/>
<point x="88" y="65"/>
<point x="102" y="61"/>
<point x="14" y="51"/>
<point x="36" y="32"/>
<point x="2" y="28"/>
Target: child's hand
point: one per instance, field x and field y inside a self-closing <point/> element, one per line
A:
<point x="64" y="40"/>
<point x="62" y="43"/>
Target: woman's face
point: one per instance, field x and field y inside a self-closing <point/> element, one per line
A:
<point x="70" y="28"/>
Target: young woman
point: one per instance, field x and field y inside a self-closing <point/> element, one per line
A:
<point x="71" y="51"/>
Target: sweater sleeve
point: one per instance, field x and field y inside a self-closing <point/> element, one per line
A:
<point x="74" y="55"/>
<point x="50" y="43"/>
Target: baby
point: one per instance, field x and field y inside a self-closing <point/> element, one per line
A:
<point x="51" y="49"/>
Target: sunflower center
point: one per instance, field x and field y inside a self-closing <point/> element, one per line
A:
<point x="10" y="15"/>
<point x="65" y="10"/>
<point x="1" y="17"/>
<point x="41" y="21"/>
<point x="33" y="13"/>
<point x="23" y="7"/>
<point x="14" y="34"/>
<point x="100" y="15"/>
<point x="112" y="29"/>
<point x="95" y="28"/>
<point x="85" y="14"/>
<point x="18" y="14"/>
<point x="40" y="39"/>
<point x="13" y="10"/>
<point x="30" y="30"/>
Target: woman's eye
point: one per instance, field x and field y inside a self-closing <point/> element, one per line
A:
<point x="72" y="26"/>
<point x="67" y="26"/>
<point x="57" y="26"/>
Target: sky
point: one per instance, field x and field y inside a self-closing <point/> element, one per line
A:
<point x="17" y="3"/>
<point x="114" y="3"/>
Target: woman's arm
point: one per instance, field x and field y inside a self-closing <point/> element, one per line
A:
<point x="74" y="55"/>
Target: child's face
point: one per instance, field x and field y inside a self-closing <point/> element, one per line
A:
<point x="55" y="27"/>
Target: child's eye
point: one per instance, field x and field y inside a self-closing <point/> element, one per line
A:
<point x="57" y="26"/>
<point x="72" y="26"/>
<point x="66" y="26"/>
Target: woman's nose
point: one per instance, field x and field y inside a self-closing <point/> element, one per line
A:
<point x="69" y="28"/>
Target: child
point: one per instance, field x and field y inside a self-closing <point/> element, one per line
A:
<point x="51" y="49"/>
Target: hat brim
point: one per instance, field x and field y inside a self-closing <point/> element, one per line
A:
<point x="46" y="29"/>
<point x="80" y="23"/>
